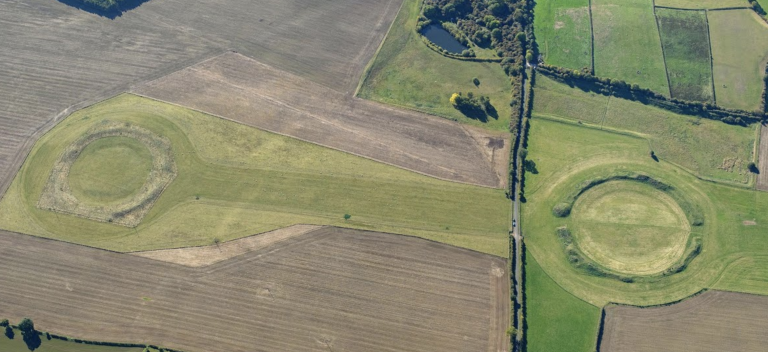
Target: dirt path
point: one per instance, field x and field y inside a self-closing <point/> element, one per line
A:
<point x="332" y="288"/>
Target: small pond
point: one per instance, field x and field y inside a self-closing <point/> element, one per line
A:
<point x="438" y="35"/>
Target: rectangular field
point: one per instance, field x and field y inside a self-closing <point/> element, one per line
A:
<point x="702" y="4"/>
<point x="564" y="32"/>
<point x="762" y="177"/>
<point x="711" y="322"/>
<point x="627" y="44"/>
<point x="17" y="344"/>
<point x="711" y="149"/>
<point x="331" y="289"/>
<point x="557" y="320"/>
<point x="685" y="40"/>
<point x="740" y="53"/>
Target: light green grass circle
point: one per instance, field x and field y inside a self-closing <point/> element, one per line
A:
<point x="629" y="227"/>
<point x="110" y="169"/>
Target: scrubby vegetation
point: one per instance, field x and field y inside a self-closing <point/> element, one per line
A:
<point x="104" y="4"/>
<point x="477" y="107"/>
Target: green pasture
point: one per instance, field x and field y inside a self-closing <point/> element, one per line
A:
<point x="557" y="321"/>
<point x="564" y="32"/>
<point x="703" y="4"/>
<point x="567" y="154"/>
<point x="235" y="181"/>
<point x="627" y="44"/>
<point x="407" y="73"/>
<point x="17" y="344"/>
<point x="763" y="4"/>
<point x="740" y="53"/>
<point x="685" y="40"/>
<point x="710" y="149"/>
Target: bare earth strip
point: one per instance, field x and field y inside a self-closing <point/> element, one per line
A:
<point x="56" y="58"/>
<point x="330" y="289"/>
<point x="246" y="91"/>
<point x="207" y="255"/>
<point x="713" y="321"/>
<point x="762" y="177"/>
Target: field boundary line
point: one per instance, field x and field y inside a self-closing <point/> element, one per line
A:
<point x="308" y="141"/>
<point x="711" y="58"/>
<point x="663" y="52"/>
<point x="600" y="329"/>
<point x="368" y="67"/>
<point x="704" y="9"/>
<point x="592" y="35"/>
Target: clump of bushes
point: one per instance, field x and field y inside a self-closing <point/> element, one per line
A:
<point x="473" y="106"/>
<point x="562" y="210"/>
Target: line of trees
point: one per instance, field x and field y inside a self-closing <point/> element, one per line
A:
<point x="584" y="80"/>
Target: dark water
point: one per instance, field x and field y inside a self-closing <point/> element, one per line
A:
<point x="438" y="35"/>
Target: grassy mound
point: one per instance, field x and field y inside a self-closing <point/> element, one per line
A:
<point x="630" y="227"/>
<point x="110" y="169"/>
<point x="235" y="181"/>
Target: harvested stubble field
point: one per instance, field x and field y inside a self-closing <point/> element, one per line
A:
<point x="246" y="91"/>
<point x="564" y="32"/>
<point x="711" y="322"/>
<point x="331" y="289"/>
<point x="740" y="53"/>
<point x="702" y="4"/>
<point x="55" y="56"/>
<point x="234" y="181"/>
<point x="685" y="40"/>
<point x="627" y="44"/>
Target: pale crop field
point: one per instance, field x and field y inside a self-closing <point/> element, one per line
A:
<point x="564" y="33"/>
<point x="703" y="4"/>
<point x="740" y="53"/>
<point x="627" y="44"/>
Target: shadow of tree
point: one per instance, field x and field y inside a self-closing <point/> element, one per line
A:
<point x="32" y="339"/>
<point x="111" y="13"/>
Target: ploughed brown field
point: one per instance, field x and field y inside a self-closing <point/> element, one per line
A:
<point x="329" y="289"/>
<point x="56" y="58"/>
<point x="241" y="89"/>
<point x="713" y="321"/>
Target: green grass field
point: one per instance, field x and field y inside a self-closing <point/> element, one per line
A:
<point x="557" y="321"/>
<point x="763" y="4"/>
<point x="235" y="181"/>
<point x="567" y="153"/>
<point x="407" y="73"/>
<point x="685" y="39"/>
<point x="564" y="32"/>
<point x="703" y="4"/>
<point x="17" y="345"/>
<point x="740" y="53"/>
<point x="627" y="44"/>
<point x="708" y="148"/>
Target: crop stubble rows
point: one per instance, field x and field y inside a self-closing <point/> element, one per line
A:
<point x="347" y="289"/>
<point x="712" y="321"/>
